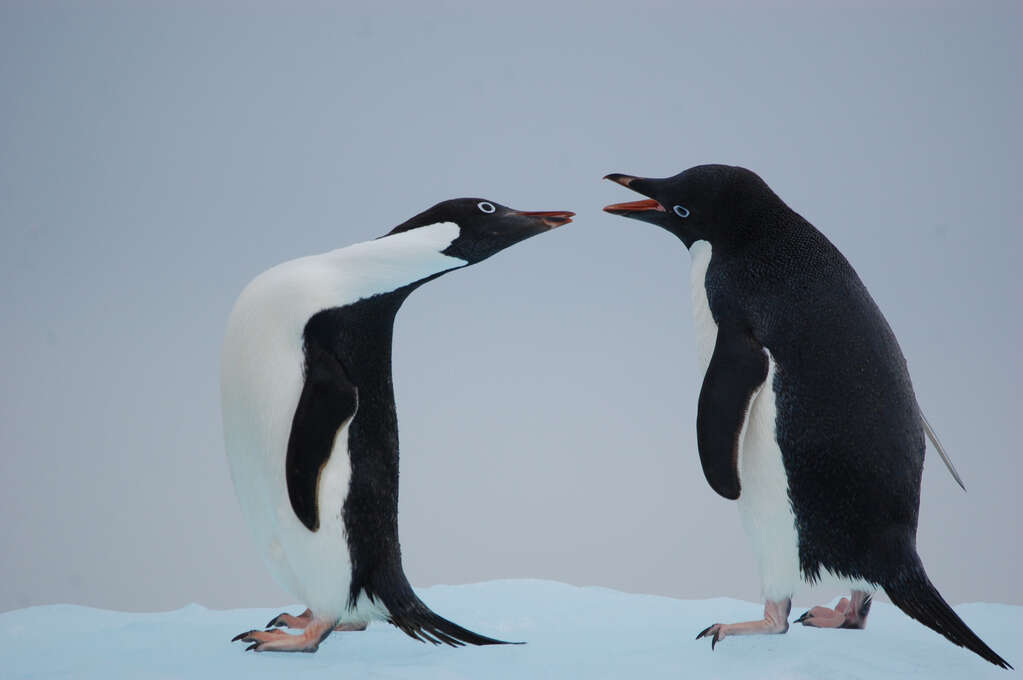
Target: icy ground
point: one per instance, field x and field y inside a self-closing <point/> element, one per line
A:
<point x="571" y="633"/>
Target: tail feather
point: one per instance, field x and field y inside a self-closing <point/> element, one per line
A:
<point x="408" y="613"/>
<point x="916" y="596"/>
<point x="419" y="622"/>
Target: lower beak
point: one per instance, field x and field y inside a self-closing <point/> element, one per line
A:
<point x="553" y="218"/>
<point x="634" y="206"/>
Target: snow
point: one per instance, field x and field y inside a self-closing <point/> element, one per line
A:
<point x="571" y="632"/>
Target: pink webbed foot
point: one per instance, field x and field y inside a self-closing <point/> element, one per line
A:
<point x="775" y="621"/>
<point x="846" y="614"/>
<point x="313" y="633"/>
<point x="302" y="620"/>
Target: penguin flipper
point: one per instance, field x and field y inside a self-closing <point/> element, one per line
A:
<point x="737" y="369"/>
<point x="327" y="402"/>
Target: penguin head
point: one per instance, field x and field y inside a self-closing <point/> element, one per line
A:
<point x="485" y="227"/>
<point x="704" y="202"/>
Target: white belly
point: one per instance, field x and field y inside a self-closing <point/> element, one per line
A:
<point x="261" y="383"/>
<point x="764" y="505"/>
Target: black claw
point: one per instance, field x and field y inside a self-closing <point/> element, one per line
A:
<point x="804" y="617"/>
<point x="273" y="622"/>
<point x="717" y="635"/>
<point x="241" y="636"/>
<point x="252" y="647"/>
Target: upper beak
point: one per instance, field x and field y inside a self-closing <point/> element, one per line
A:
<point x="624" y="180"/>
<point x="552" y="218"/>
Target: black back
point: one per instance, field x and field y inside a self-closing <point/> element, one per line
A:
<point x="348" y="365"/>
<point x="358" y="336"/>
<point x="848" y="424"/>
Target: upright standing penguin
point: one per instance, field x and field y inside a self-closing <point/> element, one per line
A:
<point x="806" y="415"/>
<point x="310" y="425"/>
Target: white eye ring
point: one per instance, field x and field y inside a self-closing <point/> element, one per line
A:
<point x="486" y="207"/>
<point x="680" y="211"/>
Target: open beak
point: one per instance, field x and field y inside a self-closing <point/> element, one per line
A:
<point x="553" y="218"/>
<point x="645" y="205"/>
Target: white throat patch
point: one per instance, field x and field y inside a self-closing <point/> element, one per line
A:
<point x="706" y="327"/>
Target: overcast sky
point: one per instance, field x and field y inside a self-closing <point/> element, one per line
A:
<point x="154" y="157"/>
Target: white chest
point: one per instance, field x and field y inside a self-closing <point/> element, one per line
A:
<point x="706" y="328"/>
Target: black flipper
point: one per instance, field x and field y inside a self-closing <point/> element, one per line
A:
<point x="414" y="618"/>
<point x="737" y="368"/>
<point x="914" y="594"/>
<point x="327" y="402"/>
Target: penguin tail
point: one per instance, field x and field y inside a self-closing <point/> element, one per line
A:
<point x="418" y="621"/>
<point x="411" y="615"/>
<point x="914" y="594"/>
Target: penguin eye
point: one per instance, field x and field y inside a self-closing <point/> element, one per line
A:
<point x="486" y="207"/>
<point x="681" y="211"/>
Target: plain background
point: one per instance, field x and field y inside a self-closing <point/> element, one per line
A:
<point x="154" y="157"/>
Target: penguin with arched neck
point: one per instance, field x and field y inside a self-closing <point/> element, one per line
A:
<point x="806" y="415"/>
<point x="310" y="425"/>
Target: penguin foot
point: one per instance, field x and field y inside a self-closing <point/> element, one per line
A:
<point x="775" y="621"/>
<point x="276" y="640"/>
<point x="846" y="614"/>
<point x="302" y="620"/>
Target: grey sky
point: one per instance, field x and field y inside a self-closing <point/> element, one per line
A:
<point x="153" y="159"/>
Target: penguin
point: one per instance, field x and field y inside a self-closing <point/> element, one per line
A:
<point x="310" y="425"/>
<point x="806" y="415"/>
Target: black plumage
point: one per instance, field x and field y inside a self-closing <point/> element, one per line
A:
<point x="358" y="339"/>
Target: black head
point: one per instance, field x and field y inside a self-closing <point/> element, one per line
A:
<point x="485" y="227"/>
<point x="705" y="202"/>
